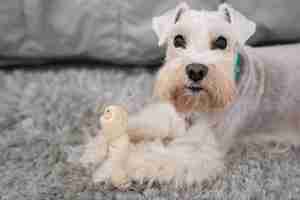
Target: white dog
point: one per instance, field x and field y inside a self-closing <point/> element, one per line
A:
<point x="212" y="91"/>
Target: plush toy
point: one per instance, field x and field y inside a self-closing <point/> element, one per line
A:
<point x="114" y="123"/>
<point x="188" y="156"/>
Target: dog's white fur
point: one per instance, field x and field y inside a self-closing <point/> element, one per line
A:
<point x="164" y="147"/>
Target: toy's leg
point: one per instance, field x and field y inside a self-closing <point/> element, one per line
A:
<point x="113" y="171"/>
<point x="95" y="151"/>
<point x="115" y="167"/>
<point x="156" y="121"/>
<point x="102" y="173"/>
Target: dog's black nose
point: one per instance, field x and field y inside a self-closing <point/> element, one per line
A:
<point x="196" y="72"/>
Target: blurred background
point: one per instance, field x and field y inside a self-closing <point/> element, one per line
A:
<point x="118" y="31"/>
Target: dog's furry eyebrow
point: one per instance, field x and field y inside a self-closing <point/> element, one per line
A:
<point x="227" y="15"/>
<point x="177" y="17"/>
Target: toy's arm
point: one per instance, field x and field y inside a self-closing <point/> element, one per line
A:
<point x="156" y="121"/>
<point x="95" y="151"/>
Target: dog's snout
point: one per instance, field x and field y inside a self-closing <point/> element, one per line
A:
<point x="196" y="72"/>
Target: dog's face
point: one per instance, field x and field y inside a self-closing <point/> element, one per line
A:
<point x="198" y="74"/>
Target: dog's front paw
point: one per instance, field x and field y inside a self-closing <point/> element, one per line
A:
<point x="156" y="121"/>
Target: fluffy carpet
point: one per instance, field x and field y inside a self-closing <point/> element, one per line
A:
<point x="46" y="114"/>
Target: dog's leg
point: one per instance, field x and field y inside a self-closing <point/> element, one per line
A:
<point x="185" y="160"/>
<point x="157" y="121"/>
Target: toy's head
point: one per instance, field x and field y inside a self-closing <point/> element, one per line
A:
<point x="114" y="118"/>
<point x="202" y="50"/>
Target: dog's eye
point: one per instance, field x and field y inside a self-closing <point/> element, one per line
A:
<point x="220" y="43"/>
<point x="179" y="41"/>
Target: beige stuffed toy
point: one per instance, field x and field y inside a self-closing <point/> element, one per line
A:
<point x="190" y="156"/>
<point x="114" y="123"/>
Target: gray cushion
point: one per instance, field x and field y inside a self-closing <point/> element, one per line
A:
<point x="118" y="31"/>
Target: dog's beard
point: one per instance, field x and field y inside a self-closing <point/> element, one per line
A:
<point x="211" y="95"/>
<point x="186" y="100"/>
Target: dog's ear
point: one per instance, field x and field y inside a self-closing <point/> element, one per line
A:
<point x="243" y="27"/>
<point x="163" y="24"/>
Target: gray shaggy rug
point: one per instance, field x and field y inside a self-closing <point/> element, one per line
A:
<point x="46" y="114"/>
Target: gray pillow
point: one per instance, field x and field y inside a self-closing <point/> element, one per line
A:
<point x="110" y="30"/>
<point x="117" y="31"/>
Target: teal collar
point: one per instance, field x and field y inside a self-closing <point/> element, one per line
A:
<point x="237" y="67"/>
